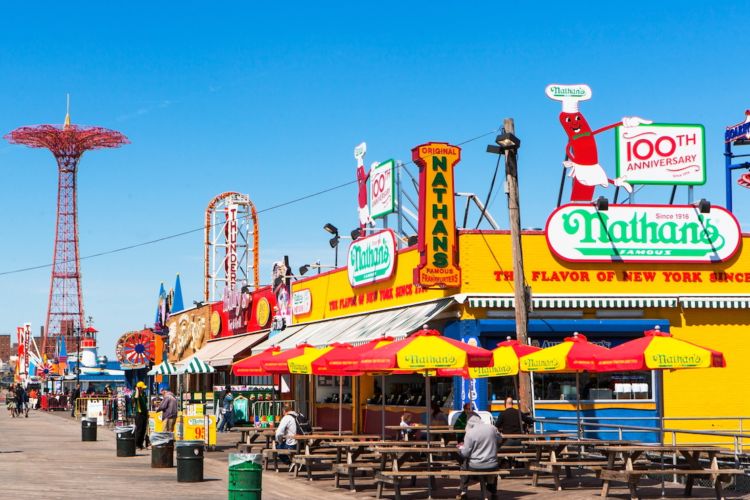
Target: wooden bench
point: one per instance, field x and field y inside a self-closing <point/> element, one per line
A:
<point x="270" y="453"/>
<point x="308" y="459"/>
<point x="631" y="477"/>
<point x="394" y="478"/>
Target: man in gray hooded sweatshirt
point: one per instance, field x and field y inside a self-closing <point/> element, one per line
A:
<point x="479" y="452"/>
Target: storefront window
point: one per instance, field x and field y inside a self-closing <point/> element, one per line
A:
<point x="327" y="390"/>
<point x="409" y="390"/>
<point x="593" y="386"/>
<point x="500" y="388"/>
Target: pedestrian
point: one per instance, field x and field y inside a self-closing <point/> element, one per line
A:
<point x="139" y="401"/>
<point x="73" y="398"/>
<point x="227" y="411"/>
<point x="22" y="401"/>
<point x="10" y="400"/>
<point x="479" y="451"/>
<point x="168" y="407"/>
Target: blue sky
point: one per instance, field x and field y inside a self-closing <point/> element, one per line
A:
<point x="271" y="102"/>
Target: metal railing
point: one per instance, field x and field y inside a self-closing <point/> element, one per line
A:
<point x="273" y="409"/>
<point x="738" y="440"/>
<point x="82" y="404"/>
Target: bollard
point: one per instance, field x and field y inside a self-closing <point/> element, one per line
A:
<point x="88" y="429"/>
<point x="245" y="476"/>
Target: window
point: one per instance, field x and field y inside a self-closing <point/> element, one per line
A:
<point x="593" y="386"/>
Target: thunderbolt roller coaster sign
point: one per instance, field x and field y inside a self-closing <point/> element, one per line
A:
<point x="438" y="245"/>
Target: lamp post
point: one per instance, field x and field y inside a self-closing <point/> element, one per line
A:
<point x="334" y="241"/>
<point x="508" y="145"/>
<point x="78" y="354"/>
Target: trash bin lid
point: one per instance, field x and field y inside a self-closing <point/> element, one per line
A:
<point x="124" y="428"/>
<point x="239" y="458"/>
<point x="189" y="443"/>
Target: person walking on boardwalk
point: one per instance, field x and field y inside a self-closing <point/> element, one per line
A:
<point x="139" y="401"/>
<point x="73" y="398"/>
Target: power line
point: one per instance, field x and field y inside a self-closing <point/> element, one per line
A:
<point x="203" y="228"/>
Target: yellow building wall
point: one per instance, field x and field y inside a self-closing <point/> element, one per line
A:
<point x="486" y="265"/>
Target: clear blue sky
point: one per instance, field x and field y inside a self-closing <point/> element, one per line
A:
<point x="271" y="102"/>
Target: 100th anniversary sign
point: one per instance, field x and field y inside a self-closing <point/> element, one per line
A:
<point x="643" y="233"/>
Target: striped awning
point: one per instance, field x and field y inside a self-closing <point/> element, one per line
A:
<point x="576" y="301"/>
<point x="195" y="365"/>
<point x="165" y="368"/>
<point x="716" y="302"/>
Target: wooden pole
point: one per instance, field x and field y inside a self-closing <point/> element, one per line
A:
<point x="520" y="290"/>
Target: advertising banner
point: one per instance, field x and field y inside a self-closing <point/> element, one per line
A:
<point x="301" y="302"/>
<point x="188" y="332"/>
<point x="372" y="259"/>
<point x="438" y="242"/>
<point x="643" y="233"/>
<point x="661" y="154"/>
<point x="382" y="189"/>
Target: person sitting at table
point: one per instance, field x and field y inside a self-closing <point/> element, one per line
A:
<point x="285" y="433"/>
<point x="437" y="416"/>
<point x="406" y="431"/>
<point x="510" y="421"/>
<point x="462" y="419"/>
<point x="479" y="451"/>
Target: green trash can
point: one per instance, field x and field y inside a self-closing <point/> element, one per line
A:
<point x="245" y="476"/>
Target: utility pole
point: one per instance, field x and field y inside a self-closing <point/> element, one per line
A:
<point x="508" y="144"/>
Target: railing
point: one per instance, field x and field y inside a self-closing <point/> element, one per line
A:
<point x="739" y="441"/>
<point x="82" y="405"/>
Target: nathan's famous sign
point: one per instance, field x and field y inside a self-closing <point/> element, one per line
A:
<point x="372" y="259"/>
<point x="438" y="245"/>
<point x="643" y="233"/>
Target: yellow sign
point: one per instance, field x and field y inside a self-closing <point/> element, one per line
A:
<point x="215" y="324"/>
<point x="438" y="246"/>
<point x="194" y="427"/>
<point x="262" y="312"/>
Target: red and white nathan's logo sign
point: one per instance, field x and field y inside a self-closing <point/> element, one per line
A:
<point x="643" y="233"/>
<point x="438" y="244"/>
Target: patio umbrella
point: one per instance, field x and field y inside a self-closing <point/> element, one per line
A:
<point x="506" y="360"/>
<point x="574" y="355"/>
<point x="344" y="361"/>
<point x="658" y="350"/>
<point x="253" y="365"/>
<point x="307" y="364"/>
<point x="425" y="352"/>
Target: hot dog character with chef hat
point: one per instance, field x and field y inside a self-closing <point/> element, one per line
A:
<point x="582" y="158"/>
<point x="362" y="178"/>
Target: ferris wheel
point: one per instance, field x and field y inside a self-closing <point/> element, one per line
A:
<point x="136" y="349"/>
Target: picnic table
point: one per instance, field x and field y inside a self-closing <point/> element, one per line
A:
<point x="250" y="434"/>
<point x="628" y="472"/>
<point x="444" y="431"/>
<point x="552" y="455"/>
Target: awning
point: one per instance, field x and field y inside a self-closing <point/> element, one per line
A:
<point x="360" y="329"/>
<point x="221" y="352"/>
<point x="716" y="302"/>
<point x="575" y="301"/>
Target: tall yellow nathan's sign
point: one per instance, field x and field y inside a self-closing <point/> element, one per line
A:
<point x="438" y="247"/>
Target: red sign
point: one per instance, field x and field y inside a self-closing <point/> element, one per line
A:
<point x="242" y="312"/>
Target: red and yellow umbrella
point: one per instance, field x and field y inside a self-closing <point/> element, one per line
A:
<point x="253" y="365"/>
<point x="574" y="354"/>
<point x="506" y="359"/>
<point x="658" y="350"/>
<point x="302" y="364"/>
<point x="425" y="351"/>
<point x="345" y="359"/>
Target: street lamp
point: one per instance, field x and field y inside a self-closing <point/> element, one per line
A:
<point x="334" y="242"/>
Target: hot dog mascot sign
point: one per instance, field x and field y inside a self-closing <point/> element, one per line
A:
<point x="582" y="159"/>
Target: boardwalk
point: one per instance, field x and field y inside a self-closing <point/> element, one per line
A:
<point x="43" y="457"/>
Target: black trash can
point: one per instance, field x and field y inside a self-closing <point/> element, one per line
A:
<point x="88" y="429"/>
<point x="190" y="461"/>
<point x="162" y="450"/>
<point x="125" y="441"/>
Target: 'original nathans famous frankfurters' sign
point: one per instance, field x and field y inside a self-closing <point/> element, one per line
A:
<point x="438" y="245"/>
<point x="643" y="233"/>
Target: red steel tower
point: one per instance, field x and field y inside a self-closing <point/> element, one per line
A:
<point x="67" y="143"/>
